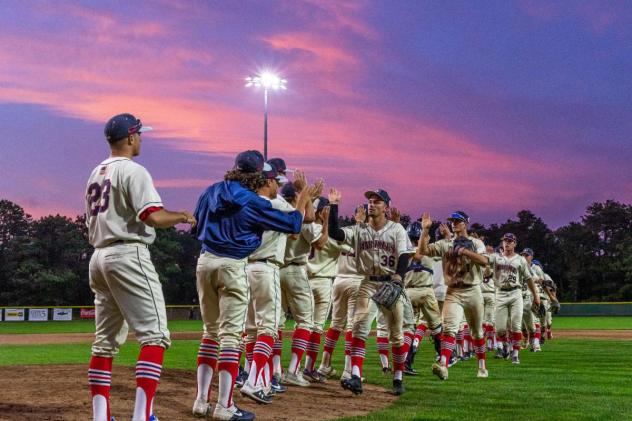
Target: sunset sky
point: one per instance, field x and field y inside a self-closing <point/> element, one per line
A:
<point x="446" y="105"/>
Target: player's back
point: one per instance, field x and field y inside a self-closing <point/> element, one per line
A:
<point x="117" y="193"/>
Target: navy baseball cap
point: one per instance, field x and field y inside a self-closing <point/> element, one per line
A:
<point x="122" y="125"/>
<point x="269" y="172"/>
<point x="459" y="216"/>
<point x="249" y="161"/>
<point x="536" y="262"/>
<point x="414" y="230"/>
<point x="288" y="191"/>
<point x="527" y="251"/>
<point x="379" y="193"/>
<point x="322" y="202"/>
<point x="509" y="236"/>
<point x="279" y="164"/>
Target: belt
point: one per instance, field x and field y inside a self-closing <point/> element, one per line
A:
<point x="510" y="289"/>
<point x="117" y="242"/>
<point x="295" y="264"/>
<point x="460" y="285"/>
<point x="380" y="278"/>
<point x="258" y="261"/>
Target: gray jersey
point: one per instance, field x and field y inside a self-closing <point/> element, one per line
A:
<point x="118" y="192"/>
<point x="273" y="243"/>
<point x="377" y="252"/>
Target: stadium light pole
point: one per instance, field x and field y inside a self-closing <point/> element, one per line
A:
<point x="267" y="81"/>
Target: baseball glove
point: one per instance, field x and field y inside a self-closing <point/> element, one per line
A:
<point x="462" y="243"/>
<point x="539" y="310"/>
<point x="387" y="294"/>
<point x="555" y="306"/>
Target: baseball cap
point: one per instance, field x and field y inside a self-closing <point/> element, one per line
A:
<point x="249" y="161"/>
<point x="381" y="194"/>
<point x="509" y="236"/>
<point x="459" y="216"/>
<point x="288" y="191"/>
<point x="527" y="251"/>
<point x="279" y="164"/>
<point x="536" y="262"/>
<point x="268" y="171"/>
<point x="322" y="202"/>
<point x="414" y="230"/>
<point x="122" y="125"/>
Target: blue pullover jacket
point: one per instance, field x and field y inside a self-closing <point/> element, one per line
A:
<point x="231" y="220"/>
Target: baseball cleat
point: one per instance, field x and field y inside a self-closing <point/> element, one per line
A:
<point x="241" y="377"/>
<point x="499" y="354"/>
<point x="453" y="361"/>
<point x="232" y="414"/>
<point x="201" y="408"/>
<point x="275" y="384"/>
<point x="327" y="372"/>
<point x="257" y="394"/>
<point x="409" y="370"/>
<point x="482" y="373"/>
<point x="295" y="379"/>
<point x="346" y="375"/>
<point x="386" y="371"/>
<point x="440" y="371"/>
<point x="398" y="388"/>
<point x="354" y="384"/>
<point x="152" y="417"/>
<point x="313" y="375"/>
<point x="515" y="360"/>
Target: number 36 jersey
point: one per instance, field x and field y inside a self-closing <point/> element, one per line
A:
<point x="377" y="252"/>
<point x="119" y="194"/>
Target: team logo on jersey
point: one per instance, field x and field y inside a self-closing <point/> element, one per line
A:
<point x="103" y="170"/>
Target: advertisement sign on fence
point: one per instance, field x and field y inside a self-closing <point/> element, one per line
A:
<point x="63" y="314"/>
<point x="38" y="314"/>
<point x="86" y="313"/>
<point x="13" y="314"/>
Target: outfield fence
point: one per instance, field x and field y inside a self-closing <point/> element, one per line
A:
<point x="192" y="312"/>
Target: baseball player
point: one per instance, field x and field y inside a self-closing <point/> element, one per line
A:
<point x="464" y="258"/>
<point x="550" y="289"/>
<point x="511" y="271"/>
<point x="529" y="319"/>
<point x="381" y="256"/>
<point x="321" y="270"/>
<point x="231" y="220"/>
<point x="418" y="282"/>
<point x="264" y="307"/>
<point x="488" y="288"/>
<point x="344" y="290"/>
<point x="122" y="210"/>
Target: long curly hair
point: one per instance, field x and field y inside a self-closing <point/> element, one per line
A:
<point x="250" y="180"/>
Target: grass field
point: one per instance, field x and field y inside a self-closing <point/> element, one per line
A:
<point x="87" y="326"/>
<point x="571" y="379"/>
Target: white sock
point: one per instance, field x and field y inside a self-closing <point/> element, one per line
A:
<point x="293" y="364"/>
<point x="384" y="360"/>
<point x="225" y="387"/>
<point x="252" y="374"/>
<point x="355" y="370"/>
<point x="204" y="378"/>
<point x="308" y="361"/>
<point x="397" y="375"/>
<point x="326" y="361"/>
<point x="348" y="363"/>
<point x="481" y="363"/>
<point x="276" y="364"/>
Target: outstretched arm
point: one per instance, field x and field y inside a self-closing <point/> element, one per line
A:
<point x="334" y="229"/>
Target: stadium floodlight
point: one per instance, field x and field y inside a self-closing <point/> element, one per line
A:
<point x="267" y="81"/>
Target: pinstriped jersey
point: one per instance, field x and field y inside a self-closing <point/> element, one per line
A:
<point x="117" y="193"/>
<point x="273" y="242"/>
<point x="509" y="271"/>
<point x="323" y="262"/>
<point x="297" y="249"/>
<point x="419" y="274"/>
<point x="377" y="252"/>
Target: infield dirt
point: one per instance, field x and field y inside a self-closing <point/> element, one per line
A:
<point x="60" y="392"/>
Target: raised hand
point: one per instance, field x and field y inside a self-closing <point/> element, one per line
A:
<point x="300" y="181"/>
<point x="318" y="185"/>
<point x="360" y="214"/>
<point x="395" y="216"/>
<point x="445" y="231"/>
<point x="334" y="196"/>
<point x="426" y="222"/>
<point x="325" y="213"/>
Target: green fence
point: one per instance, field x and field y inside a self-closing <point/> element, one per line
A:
<point x="596" y="309"/>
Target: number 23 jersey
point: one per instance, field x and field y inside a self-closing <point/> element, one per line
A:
<point x="377" y="252"/>
<point x="119" y="194"/>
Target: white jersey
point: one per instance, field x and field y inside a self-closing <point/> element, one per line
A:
<point x="458" y="270"/>
<point x="323" y="263"/>
<point x="440" y="287"/>
<point x="346" y="266"/>
<point x="297" y="249"/>
<point x="118" y="192"/>
<point x="509" y="272"/>
<point x="536" y="273"/>
<point x="377" y="252"/>
<point x="273" y="243"/>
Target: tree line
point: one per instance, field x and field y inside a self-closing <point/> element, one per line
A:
<point x="45" y="261"/>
